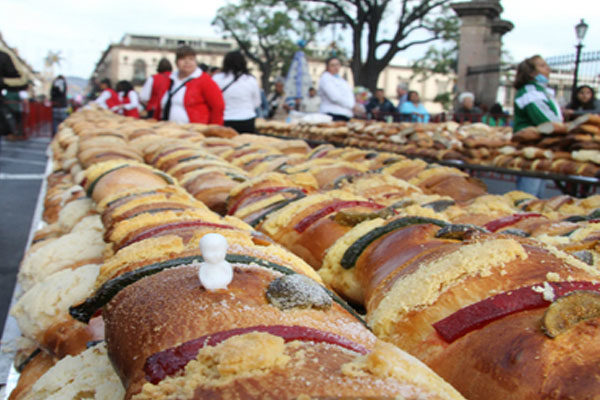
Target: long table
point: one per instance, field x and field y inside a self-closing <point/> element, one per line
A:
<point x="573" y="185"/>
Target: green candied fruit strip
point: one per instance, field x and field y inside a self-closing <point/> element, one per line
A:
<point x="86" y="310"/>
<point x="102" y="175"/>
<point x="355" y="250"/>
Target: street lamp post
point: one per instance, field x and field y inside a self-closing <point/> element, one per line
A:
<point x="580" y="30"/>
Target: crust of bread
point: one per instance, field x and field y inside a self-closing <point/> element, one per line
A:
<point x="127" y="178"/>
<point x="171" y="307"/>
<point x="298" y="370"/>
<point x="512" y="358"/>
<point x="497" y="268"/>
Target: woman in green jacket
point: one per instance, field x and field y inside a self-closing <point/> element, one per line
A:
<point x="534" y="104"/>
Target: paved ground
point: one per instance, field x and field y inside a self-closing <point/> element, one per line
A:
<point x="22" y="165"/>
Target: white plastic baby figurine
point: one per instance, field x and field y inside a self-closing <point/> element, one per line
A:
<point x="214" y="272"/>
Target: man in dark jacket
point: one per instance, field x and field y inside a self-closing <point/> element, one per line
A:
<point x="58" y="96"/>
<point x="379" y="105"/>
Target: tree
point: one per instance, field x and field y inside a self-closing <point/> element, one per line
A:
<point x="381" y="29"/>
<point x="266" y="31"/>
<point x="441" y="59"/>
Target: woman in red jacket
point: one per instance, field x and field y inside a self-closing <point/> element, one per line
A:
<point x="129" y="100"/>
<point x="192" y="96"/>
<point x="108" y="98"/>
<point x="155" y="87"/>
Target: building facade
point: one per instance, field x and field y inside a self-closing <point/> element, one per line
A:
<point x="136" y="57"/>
<point x="33" y="77"/>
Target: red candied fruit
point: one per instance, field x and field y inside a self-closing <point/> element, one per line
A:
<point x="170" y="361"/>
<point x="339" y="205"/>
<point x="479" y="314"/>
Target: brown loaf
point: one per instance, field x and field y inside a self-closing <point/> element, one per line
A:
<point x="67" y="338"/>
<point x="178" y="171"/>
<point x="406" y="169"/>
<point x="171" y="307"/>
<point x="591" y="119"/>
<point x="126" y="178"/>
<point x="417" y="326"/>
<point x="589" y="128"/>
<point x="109" y="220"/>
<point x="212" y="188"/>
<point x="32" y="371"/>
<point x="515" y="347"/>
<point x="298" y="370"/>
<point x="548" y="128"/>
<point x="389" y="255"/>
<point x="239" y="196"/>
<point x="528" y="134"/>
<point x="219" y="131"/>
<point x="319" y="236"/>
<point x="512" y="359"/>
<point x="97" y="155"/>
<point x="461" y="188"/>
<point x="165" y="163"/>
<point x="329" y="174"/>
<point x="312" y="244"/>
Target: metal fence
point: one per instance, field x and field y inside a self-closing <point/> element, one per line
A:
<point x="561" y="76"/>
<point x="563" y="68"/>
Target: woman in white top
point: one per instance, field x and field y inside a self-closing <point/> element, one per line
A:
<point x="336" y="94"/>
<point x="129" y="99"/>
<point x="240" y="92"/>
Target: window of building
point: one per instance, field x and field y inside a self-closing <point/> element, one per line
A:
<point x="218" y="45"/>
<point x="145" y="40"/>
<point x="139" y="72"/>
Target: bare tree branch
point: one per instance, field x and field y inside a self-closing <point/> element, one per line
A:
<point x="367" y="25"/>
<point x="416" y="42"/>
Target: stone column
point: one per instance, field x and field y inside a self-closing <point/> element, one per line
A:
<point x="480" y="46"/>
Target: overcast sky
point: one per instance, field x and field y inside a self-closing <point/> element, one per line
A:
<point x="82" y="30"/>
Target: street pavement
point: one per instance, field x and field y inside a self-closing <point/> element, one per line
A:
<point x="22" y="166"/>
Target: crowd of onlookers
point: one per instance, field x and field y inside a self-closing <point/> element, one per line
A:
<point x="190" y="94"/>
<point x="231" y="96"/>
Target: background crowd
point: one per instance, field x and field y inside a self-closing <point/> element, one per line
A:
<point x="231" y="96"/>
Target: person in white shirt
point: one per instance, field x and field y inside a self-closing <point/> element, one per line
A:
<point x="336" y="94"/>
<point x="312" y="103"/>
<point x="108" y="98"/>
<point x="129" y="100"/>
<point x="240" y="93"/>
